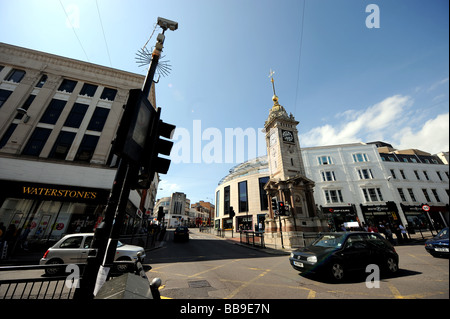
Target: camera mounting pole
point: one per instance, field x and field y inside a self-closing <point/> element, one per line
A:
<point x="106" y="235"/>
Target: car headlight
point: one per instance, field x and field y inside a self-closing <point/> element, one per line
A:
<point x="292" y="255"/>
<point x="312" y="259"/>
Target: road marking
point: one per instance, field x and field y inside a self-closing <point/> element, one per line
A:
<point x="214" y="268"/>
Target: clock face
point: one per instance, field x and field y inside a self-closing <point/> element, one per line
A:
<point x="288" y="136"/>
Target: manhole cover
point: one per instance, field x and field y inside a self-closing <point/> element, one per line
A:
<point x="198" y="284"/>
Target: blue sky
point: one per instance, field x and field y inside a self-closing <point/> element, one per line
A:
<point x="344" y="82"/>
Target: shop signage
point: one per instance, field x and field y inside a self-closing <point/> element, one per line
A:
<point x="54" y="192"/>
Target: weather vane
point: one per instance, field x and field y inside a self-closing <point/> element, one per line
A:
<point x="271" y="76"/>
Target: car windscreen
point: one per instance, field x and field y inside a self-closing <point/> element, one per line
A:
<point x="329" y="241"/>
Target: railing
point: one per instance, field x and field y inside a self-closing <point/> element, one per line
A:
<point x="61" y="287"/>
<point x="252" y="238"/>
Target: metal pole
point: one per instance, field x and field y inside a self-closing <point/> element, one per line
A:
<point x="281" y="231"/>
<point x="100" y="241"/>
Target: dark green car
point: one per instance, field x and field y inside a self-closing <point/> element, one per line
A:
<point x="336" y="254"/>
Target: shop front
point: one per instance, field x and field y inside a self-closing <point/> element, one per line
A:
<point x="35" y="213"/>
<point x="339" y="216"/>
<point x="426" y="217"/>
<point x="376" y="214"/>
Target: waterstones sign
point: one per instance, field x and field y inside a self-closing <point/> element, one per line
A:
<point x="54" y="192"/>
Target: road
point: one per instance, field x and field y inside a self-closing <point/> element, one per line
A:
<point x="209" y="267"/>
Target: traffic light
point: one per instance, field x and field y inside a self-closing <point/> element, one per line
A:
<point x="160" y="213"/>
<point x="274" y="204"/>
<point x="157" y="143"/>
<point x="281" y="209"/>
<point x="232" y="213"/>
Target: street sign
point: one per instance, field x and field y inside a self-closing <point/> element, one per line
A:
<point x="426" y="208"/>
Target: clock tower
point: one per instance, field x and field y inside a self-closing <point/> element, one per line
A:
<point x="288" y="182"/>
<point x="283" y="147"/>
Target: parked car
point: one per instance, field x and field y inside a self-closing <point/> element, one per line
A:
<point x="74" y="249"/>
<point x="335" y="254"/>
<point x="181" y="233"/>
<point x="438" y="245"/>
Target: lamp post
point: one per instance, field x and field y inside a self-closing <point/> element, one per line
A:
<point x="107" y="234"/>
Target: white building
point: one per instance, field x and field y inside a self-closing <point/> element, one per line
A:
<point x="356" y="182"/>
<point x="176" y="210"/>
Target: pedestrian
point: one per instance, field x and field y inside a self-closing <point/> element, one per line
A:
<point x="403" y="232"/>
<point x="388" y="233"/>
<point x="2" y="231"/>
<point x="398" y="233"/>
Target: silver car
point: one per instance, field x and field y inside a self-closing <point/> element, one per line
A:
<point x="74" y="249"/>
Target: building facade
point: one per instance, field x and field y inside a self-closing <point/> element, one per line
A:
<point x="355" y="182"/>
<point x="58" y="118"/>
<point x="176" y="210"/>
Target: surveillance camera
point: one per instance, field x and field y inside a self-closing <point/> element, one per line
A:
<point x="21" y="110"/>
<point x="167" y="24"/>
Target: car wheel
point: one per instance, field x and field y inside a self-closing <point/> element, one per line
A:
<point x="52" y="271"/>
<point x="391" y="265"/>
<point x="337" y="271"/>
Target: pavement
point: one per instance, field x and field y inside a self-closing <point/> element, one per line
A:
<point x="33" y="257"/>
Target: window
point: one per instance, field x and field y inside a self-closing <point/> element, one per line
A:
<point x="108" y="94"/>
<point x="417" y="175"/>
<point x="76" y="115"/>
<point x="7" y="135"/>
<point x="88" y="89"/>
<point x="98" y="119"/>
<point x="15" y="75"/>
<point x="425" y="193"/>
<point x="62" y="145"/>
<point x="435" y="194"/>
<point x="262" y="193"/>
<point x="25" y="106"/>
<point x="393" y="174"/>
<point x="42" y="80"/>
<point x="333" y="196"/>
<point x="360" y="157"/>
<point x="53" y="111"/>
<point x="439" y="175"/>
<point x="217" y="203"/>
<point x="411" y="194"/>
<point x="67" y="85"/>
<point x="328" y="176"/>
<point x="243" y="198"/>
<point x="403" y="174"/>
<point x="324" y="160"/>
<point x="365" y="173"/>
<point x="372" y="194"/>
<point x="4" y="95"/>
<point x="426" y="175"/>
<point x="37" y="141"/>
<point x="402" y="195"/>
<point x="226" y="200"/>
<point x="72" y="242"/>
<point x="87" y="148"/>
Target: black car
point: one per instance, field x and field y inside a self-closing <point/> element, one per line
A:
<point x="181" y="233"/>
<point x="438" y="245"/>
<point x="337" y="253"/>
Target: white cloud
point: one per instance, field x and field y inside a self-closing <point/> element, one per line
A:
<point x="390" y="121"/>
<point x="433" y="137"/>
<point x="372" y="122"/>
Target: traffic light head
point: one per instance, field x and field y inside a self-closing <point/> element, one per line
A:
<point x="281" y="208"/>
<point x="274" y="204"/>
